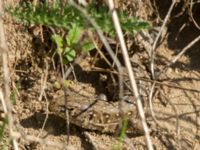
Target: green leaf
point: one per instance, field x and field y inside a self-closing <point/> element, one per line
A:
<point x="69" y="54"/>
<point x="122" y="133"/>
<point x="74" y="34"/>
<point x="132" y="25"/>
<point x="66" y="83"/>
<point x="88" y="46"/>
<point x="59" y="42"/>
<point x="2" y="128"/>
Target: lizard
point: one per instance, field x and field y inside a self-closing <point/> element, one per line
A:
<point x="97" y="114"/>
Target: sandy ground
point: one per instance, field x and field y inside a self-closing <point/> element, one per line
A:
<point x="176" y="105"/>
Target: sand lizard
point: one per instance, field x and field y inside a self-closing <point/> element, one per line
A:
<point x="95" y="114"/>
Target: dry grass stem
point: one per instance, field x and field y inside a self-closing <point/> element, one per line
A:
<point x="3" y="102"/>
<point x="43" y="82"/>
<point x="130" y="72"/>
<point x="106" y="44"/>
<point x="6" y="78"/>
<point x="170" y="101"/>
<point x="152" y="59"/>
<point x="191" y="14"/>
<point x="180" y="54"/>
<point x="43" y="94"/>
<point x="65" y="95"/>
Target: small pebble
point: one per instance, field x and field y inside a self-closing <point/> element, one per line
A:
<point x="102" y="97"/>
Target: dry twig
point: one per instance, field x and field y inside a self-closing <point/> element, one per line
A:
<point x="174" y="60"/>
<point x="65" y="95"/>
<point x="152" y="63"/>
<point x="43" y="94"/>
<point x="106" y="44"/>
<point x="130" y="72"/>
<point x="6" y="78"/>
<point x="191" y="14"/>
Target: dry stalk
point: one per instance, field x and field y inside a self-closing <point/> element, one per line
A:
<point x="151" y="106"/>
<point x="130" y="72"/>
<point x="154" y="116"/>
<point x="65" y="95"/>
<point x="109" y="50"/>
<point x="43" y="94"/>
<point x="174" y="60"/>
<point x="3" y="102"/>
<point x="165" y="68"/>
<point x="43" y="82"/>
<point x="106" y="44"/>
<point x="191" y="14"/>
<point x="152" y="59"/>
<point x="70" y="69"/>
<point x="6" y="78"/>
<point x="163" y="83"/>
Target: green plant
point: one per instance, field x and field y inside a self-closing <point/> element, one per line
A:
<point x="73" y="22"/>
<point x="68" y="46"/>
<point x="122" y="133"/>
<point x="2" y="128"/>
<point x="4" y="139"/>
<point x="13" y="94"/>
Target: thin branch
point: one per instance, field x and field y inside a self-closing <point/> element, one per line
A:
<point x="174" y="60"/>
<point x="6" y="77"/>
<point x="157" y="39"/>
<point x="130" y="72"/>
<point x="44" y="82"/>
<point x="151" y="106"/>
<point x="43" y="94"/>
<point x="191" y="14"/>
<point x="3" y="102"/>
<point x="152" y="59"/>
<point x="106" y="44"/>
<point x="109" y="50"/>
<point x="65" y="95"/>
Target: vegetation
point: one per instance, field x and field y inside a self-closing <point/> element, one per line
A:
<point x="71" y="20"/>
<point x="58" y="16"/>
